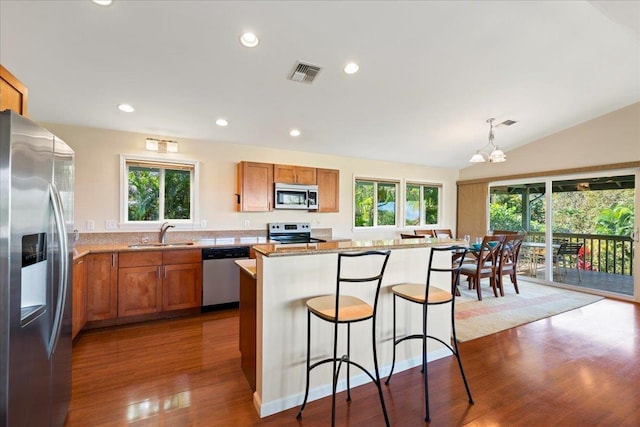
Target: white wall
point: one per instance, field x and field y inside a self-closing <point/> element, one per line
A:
<point x="612" y="138"/>
<point x="98" y="180"/>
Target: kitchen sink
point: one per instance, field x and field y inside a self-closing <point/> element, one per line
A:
<point x="159" y="245"/>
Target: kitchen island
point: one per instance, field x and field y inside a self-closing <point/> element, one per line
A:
<point x="288" y="275"/>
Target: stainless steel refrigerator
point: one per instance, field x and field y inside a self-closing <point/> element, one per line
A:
<point x="36" y="222"/>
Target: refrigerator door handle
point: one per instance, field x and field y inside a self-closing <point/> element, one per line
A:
<point x="58" y="215"/>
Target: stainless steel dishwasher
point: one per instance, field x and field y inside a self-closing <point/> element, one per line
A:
<point x="221" y="276"/>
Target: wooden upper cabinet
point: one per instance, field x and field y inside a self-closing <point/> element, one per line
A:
<point x="13" y="94"/>
<point x="328" y="190"/>
<point x="288" y="174"/>
<point x="255" y="187"/>
<point x="102" y="286"/>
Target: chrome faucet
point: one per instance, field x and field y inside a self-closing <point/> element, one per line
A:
<point x="163" y="230"/>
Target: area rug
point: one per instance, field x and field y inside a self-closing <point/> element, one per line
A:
<point x="476" y="319"/>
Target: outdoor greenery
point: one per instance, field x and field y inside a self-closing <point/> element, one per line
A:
<point x="608" y="212"/>
<point x="177" y="194"/>
<point x="144" y="193"/>
<point x="382" y="195"/>
<point x="415" y="206"/>
<point x="376" y="204"/>
<point x="600" y="213"/>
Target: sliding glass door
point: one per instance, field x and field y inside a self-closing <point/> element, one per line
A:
<point x="580" y="229"/>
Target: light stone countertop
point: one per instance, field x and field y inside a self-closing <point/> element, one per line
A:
<point x="248" y="266"/>
<point x="81" y="250"/>
<point x="271" y="250"/>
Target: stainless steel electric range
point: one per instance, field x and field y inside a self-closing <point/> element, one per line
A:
<point x="291" y="232"/>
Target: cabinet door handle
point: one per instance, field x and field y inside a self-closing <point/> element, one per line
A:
<point x="165" y="272"/>
<point x="159" y="274"/>
<point x="113" y="259"/>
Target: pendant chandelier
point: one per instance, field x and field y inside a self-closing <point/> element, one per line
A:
<point x="491" y="152"/>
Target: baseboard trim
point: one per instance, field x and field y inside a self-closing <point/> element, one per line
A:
<point x="269" y="408"/>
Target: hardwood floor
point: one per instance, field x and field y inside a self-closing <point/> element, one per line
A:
<point x="579" y="368"/>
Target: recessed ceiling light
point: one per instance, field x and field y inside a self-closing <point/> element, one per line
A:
<point x="294" y="132"/>
<point x="351" y="68"/>
<point x="222" y="122"/>
<point x="249" y="39"/>
<point x="126" y="108"/>
<point x="102" y="2"/>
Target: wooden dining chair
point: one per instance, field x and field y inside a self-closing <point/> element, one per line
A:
<point x="424" y="233"/>
<point x="486" y="264"/>
<point x="443" y="232"/>
<point x="410" y="236"/>
<point x="508" y="261"/>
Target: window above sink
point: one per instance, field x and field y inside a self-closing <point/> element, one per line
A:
<point x="154" y="190"/>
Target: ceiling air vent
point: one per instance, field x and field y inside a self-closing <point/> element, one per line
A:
<point x="304" y="73"/>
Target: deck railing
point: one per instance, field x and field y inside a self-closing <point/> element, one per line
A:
<point x="604" y="253"/>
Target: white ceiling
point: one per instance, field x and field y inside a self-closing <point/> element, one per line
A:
<point x="431" y="72"/>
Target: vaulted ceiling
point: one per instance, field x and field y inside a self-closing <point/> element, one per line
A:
<point x="431" y="72"/>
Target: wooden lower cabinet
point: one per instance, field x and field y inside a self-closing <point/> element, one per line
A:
<point x="139" y="290"/>
<point x="247" y="337"/>
<point x="182" y="279"/>
<point x="182" y="286"/>
<point x="133" y="286"/>
<point x="79" y="298"/>
<point x="102" y="286"/>
<point x="158" y="281"/>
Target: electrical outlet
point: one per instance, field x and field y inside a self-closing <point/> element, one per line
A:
<point x="246" y="223"/>
<point x="91" y="225"/>
<point x="111" y="224"/>
<point x="203" y="223"/>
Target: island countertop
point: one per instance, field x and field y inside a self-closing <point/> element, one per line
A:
<point x="275" y="250"/>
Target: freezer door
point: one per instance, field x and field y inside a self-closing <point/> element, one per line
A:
<point x="28" y="306"/>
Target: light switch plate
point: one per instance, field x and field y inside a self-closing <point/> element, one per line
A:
<point x="246" y="223"/>
<point x="203" y="223"/>
<point x="111" y="224"/>
<point x="91" y="225"/>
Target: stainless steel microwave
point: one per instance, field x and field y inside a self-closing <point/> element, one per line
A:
<point x="295" y="196"/>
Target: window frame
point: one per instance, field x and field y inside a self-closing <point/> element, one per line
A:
<point x="422" y="184"/>
<point x="376" y="181"/>
<point x="160" y="163"/>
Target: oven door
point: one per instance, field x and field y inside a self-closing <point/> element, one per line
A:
<point x="291" y="198"/>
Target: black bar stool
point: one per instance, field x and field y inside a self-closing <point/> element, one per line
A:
<point x="346" y="309"/>
<point x="426" y="296"/>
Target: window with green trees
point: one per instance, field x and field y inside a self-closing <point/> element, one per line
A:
<point x="595" y="211"/>
<point x="375" y="203"/>
<point x="421" y="204"/>
<point x="159" y="191"/>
